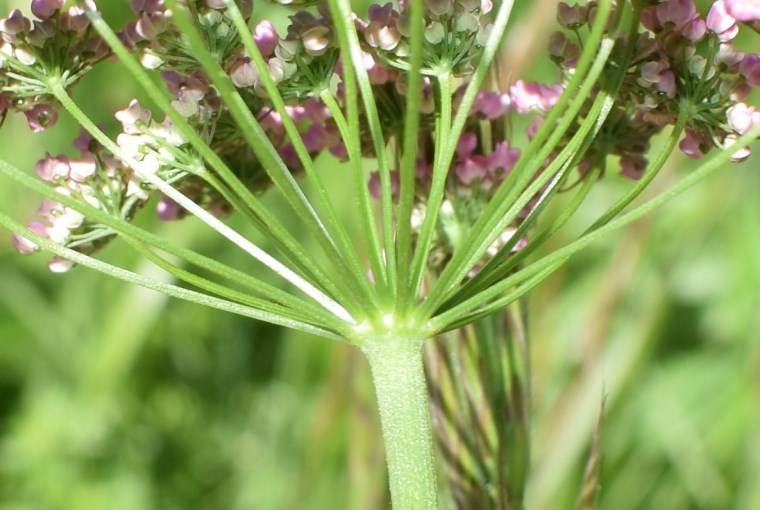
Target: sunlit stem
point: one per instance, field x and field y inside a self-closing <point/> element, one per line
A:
<point x="402" y="396"/>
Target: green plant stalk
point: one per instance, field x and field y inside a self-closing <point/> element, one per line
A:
<point x="351" y="48"/>
<point x="342" y="237"/>
<point x="402" y="397"/>
<point x="536" y="272"/>
<point x="489" y="226"/>
<point x="407" y="164"/>
<point x="440" y="173"/>
<point x="326" y="301"/>
<point x="272" y="162"/>
<point x="354" y="146"/>
<point x="446" y="143"/>
<point x="166" y="288"/>
<point x="254" y="210"/>
<point x="253" y="285"/>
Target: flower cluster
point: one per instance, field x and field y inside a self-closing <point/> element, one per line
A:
<point x="159" y="43"/>
<point x="454" y="34"/>
<point x="95" y="178"/>
<point x="58" y="45"/>
<point x="681" y="64"/>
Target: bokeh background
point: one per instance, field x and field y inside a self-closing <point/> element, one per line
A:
<point x="116" y="397"/>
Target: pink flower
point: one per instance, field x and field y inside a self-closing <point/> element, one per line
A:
<point x="502" y="159"/>
<point x="571" y="16"/>
<point x="742" y="118"/>
<point x="133" y="115"/>
<point x="722" y="23"/>
<point x="266" y="38"/>
<point x="750" y="69"/>
<point x="676" y="12"/>
<point x="692" y="145"/>
<point x="243" y="73"/>
<point x="695" y="30"/>
<point x="491" y="104"/>
<point x="41" y="117"/>
<point x="375" y="188"/>
<point x="534" y="96"/>
<point x="633" y="167"/>
<point x="168" y="210"/>
<point x="382" y="32"/>
<point x="15" y="24"/>
<point x="744" y="10"/>
<point x="658" y="75"/>
<point x="60" y="265"/>
<point x="50" y="168"/>
<point x="465" y="146"/>
<point x="43" y="9"/>
<point x="473" y="168"/>
<point x="24" y="245"/>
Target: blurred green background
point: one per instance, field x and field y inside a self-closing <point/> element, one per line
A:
<point x="116" y="397"/>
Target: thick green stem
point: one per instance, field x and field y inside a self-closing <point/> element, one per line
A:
<point x="402" y="396"/>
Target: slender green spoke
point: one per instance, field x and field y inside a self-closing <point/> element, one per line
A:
<point x="368" y="221"/>
<point x="333" y="222"/>
<point x="492" y="223"/>
<point x="440" y="174"/>
<point x="587" y="71"/>
<point x="651" y="172"/>
<point x="499" y="304"/>
<point x="409" y="156"/>
<point x="490" y="300"/>
<point x="209" y="219"/>
<point x="493" y="270"/>
<point x="254" y="285"/>
<point x="275" y="231"/>
<point x="222" y="291"/>
<point x="486" y="277"/>
<point x="343" y="14"/>
<point x="166" y="288"/>
<point x="368" y="230"/>
<point x="269" y="157"/>
<point x="476" y="80"/>
<point x="492" y="274"/>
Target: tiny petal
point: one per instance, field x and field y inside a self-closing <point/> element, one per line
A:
<point x="742" y="118"/>
<point x="24" y="245"/>
<point x="133" y="115"/>
<point x="744" y="10"/>
<point x="15" y="24"/>
<point x="750" y="69"/>
<point x="43" y="9"/>
<point x="41" y="117"/>
<point x="718" y="19"/>
<point x="633" y="167"/>
<point x="168" y="210"/>
<point x="467" y="143"/>
<point x="739" y="155"/>
<point x="50" y="168"/>
<point x="60" y="265"/>
<point x="691" y="145"/>
<point x="266" y="38"/>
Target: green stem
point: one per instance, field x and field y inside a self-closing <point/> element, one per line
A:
<point x="398" y="374"/>
<point x="351" y="48"/>
<point x="236" y="238"/>
<point x="159" y="286"/>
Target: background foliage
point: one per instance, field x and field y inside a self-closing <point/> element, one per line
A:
<point x="116" y="397"/>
